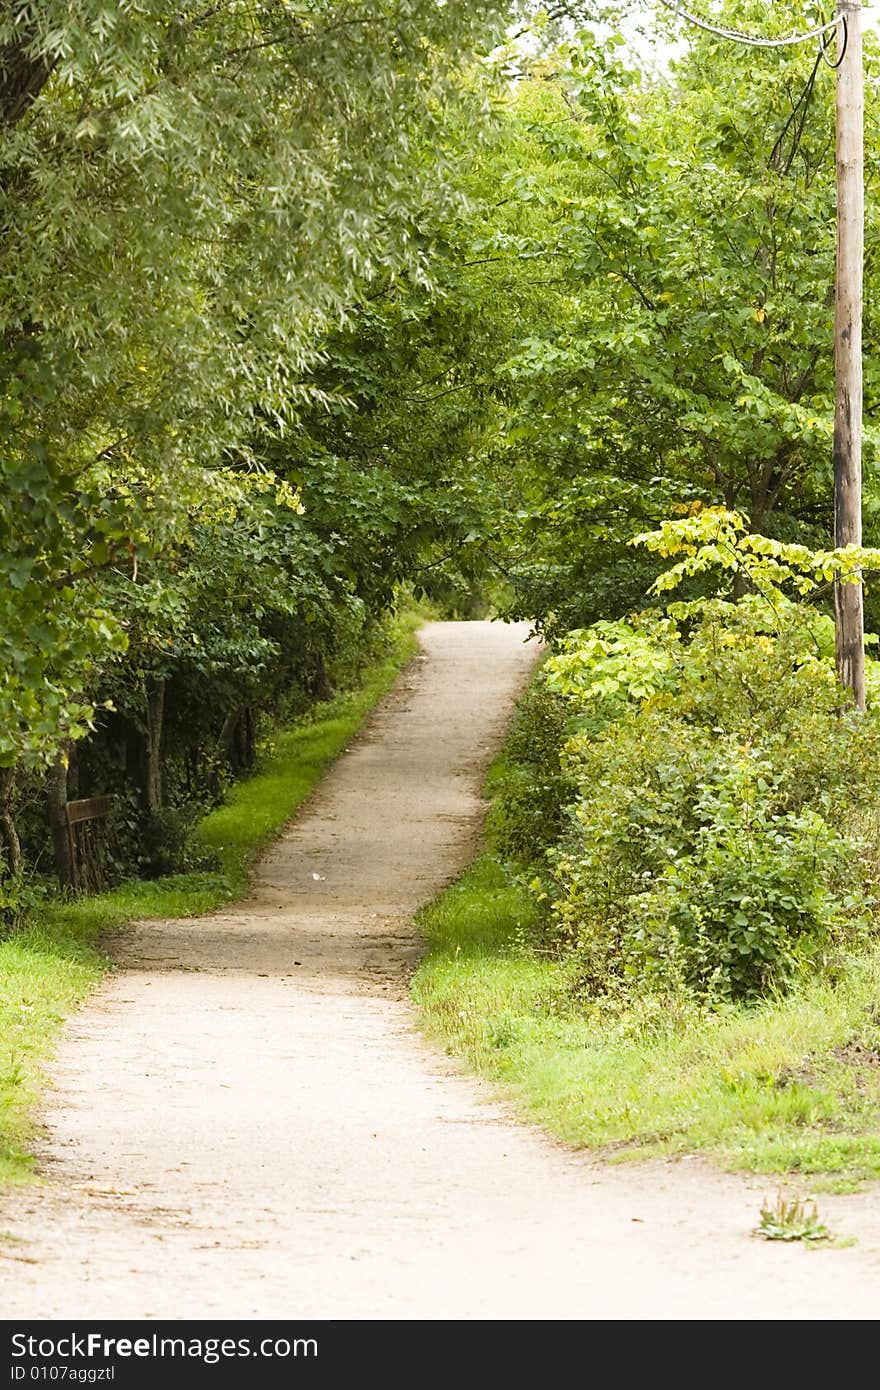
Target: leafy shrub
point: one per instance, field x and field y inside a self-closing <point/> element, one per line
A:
<point x="682" y="866"/>
<point x="724" y="835"/>
<point x="19" y="895"/>
<point x="532" y="789"/>
<point x="166" y="843"/>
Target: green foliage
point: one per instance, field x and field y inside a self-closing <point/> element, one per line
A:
<point x="602" y="669"/>
<point x="712" y="539"/>
<point x="530" y="787"/>
<point x="165" y="842"/>
<point x="723" y="837"/>
<point x="192" y="202"/>
<point x="675" y="267"/>
<point x="233" y="246"/>
<point x="782" y="1084"/>
<point x="685" y="870"/>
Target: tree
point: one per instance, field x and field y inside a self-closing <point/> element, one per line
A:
<point x="687" y="223"/>
<point x="189" y="200"/>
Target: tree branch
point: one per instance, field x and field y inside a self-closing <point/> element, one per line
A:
<point x="23" y="75"/>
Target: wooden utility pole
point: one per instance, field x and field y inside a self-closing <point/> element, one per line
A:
<point x="848" y="600"/>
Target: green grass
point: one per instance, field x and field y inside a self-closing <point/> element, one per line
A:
<point x="53" y="962"/>
<point x="791" y="1086"/>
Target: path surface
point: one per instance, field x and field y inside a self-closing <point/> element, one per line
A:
<point x="244" y="1122"/>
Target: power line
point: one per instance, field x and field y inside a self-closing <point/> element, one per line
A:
<point x="752" y="40"/>
<point x="798" y="119"/>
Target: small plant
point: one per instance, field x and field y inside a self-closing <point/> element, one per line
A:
<point x="501" y="1031"/>
<point x="791" y="1219"/>
<point x="15" y="1075"/>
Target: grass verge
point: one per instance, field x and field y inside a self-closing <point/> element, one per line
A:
<point x="50" y="965"/>
<point x="791" y="1086"/>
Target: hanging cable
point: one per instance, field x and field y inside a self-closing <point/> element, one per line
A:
<point x="822" y="32"/>
<point x="756" y="40"/>
<point x="842" y="40"/>
<point x="798" y="119"/>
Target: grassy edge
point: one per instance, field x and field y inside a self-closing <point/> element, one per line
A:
<point x="53" y="962"/>
<point x="790" y="1087"/>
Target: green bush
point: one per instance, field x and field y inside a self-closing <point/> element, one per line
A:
<point x="531" y="788"/>
<point x="684" y="867"/>
<point x="723" y="837"/>
<point x="167" y="843"/>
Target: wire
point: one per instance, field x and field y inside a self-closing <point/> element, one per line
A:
<point x="754" y="40"/>
<point x="822" y="32"/>
<point x="842" y="41"/>
<point x="798" y="119"/>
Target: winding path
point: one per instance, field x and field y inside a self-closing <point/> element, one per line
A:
<point x="244" y="1123"/>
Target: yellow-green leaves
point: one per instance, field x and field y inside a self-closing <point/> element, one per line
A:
<point x="612" y="663"/>
<point x="714" y="539"/>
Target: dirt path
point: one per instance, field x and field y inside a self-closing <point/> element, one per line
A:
<point x="244" y="1122"/>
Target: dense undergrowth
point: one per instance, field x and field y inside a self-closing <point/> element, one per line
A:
<point x="52" y="961"/>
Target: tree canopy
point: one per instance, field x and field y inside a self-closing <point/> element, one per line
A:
<point x="305" y="302"/>
<point x="191" y="200"/>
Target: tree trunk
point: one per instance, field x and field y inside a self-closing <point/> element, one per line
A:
<point x="22" y="77"/>
<point x="244" y="742"/>
<point x="72" y="772"/>
<point x="153" y="762"/>
<point x="134" y="752"/>
<point x="10" y="845"/>
<point x="226" y="734"/>
<point x="742" y="585"/>
<point x="62" y="836"/>
<point x="317" y="681"/>
<point x="237" y="740"/>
